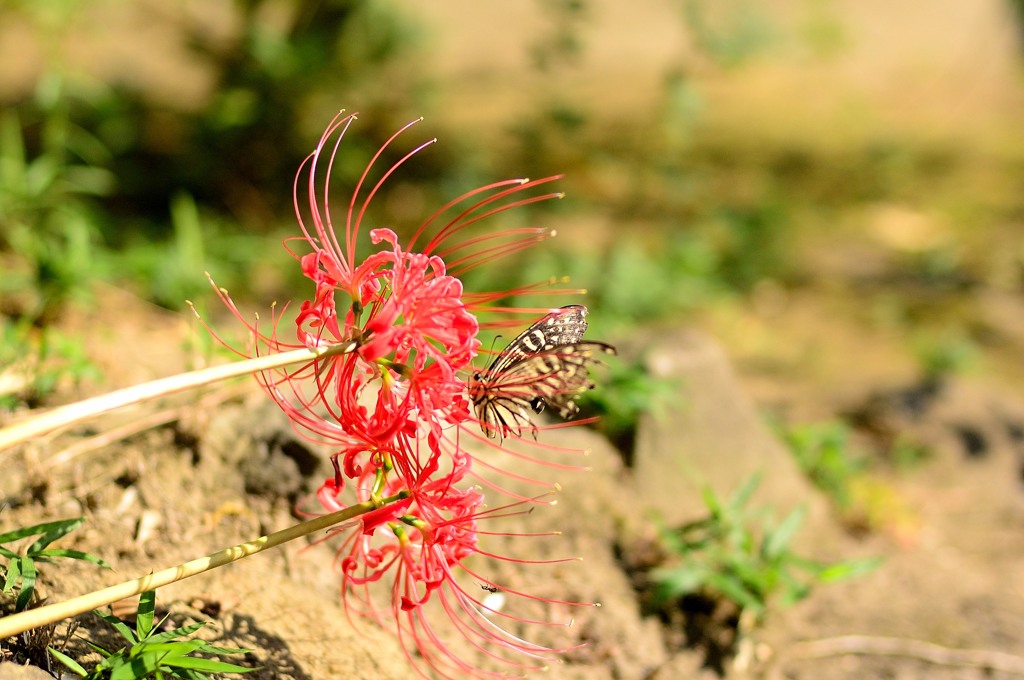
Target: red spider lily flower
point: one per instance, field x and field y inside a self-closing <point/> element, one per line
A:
<point x="421" y="545"/>
<point x="396" y="409"/>
<point x="407" y="312"/>
<point x="415" y="326"/>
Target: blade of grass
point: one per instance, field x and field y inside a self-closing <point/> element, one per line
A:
<point x="36" y="529"/>
<point x="54" y="531"/>
<point x="144" y="614"/>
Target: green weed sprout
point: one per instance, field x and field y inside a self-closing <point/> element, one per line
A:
<point x="20" y="571"/>
<point x="47" y="204"/>
<point x="944" y="354"/>
<point x="823" y="452"/>
<point x="723" y="556"/>
<point x="36" y="360"/>
<point x="149" y="655"/>
<point x="628" y="391"/>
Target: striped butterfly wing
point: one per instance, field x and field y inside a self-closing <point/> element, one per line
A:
<point x="545" y="365"/>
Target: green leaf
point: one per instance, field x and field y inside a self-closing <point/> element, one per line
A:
<point x="674" y="583"/>
<point x="176" y="633"/>
<point x="102" y="652"/>
<point x="28" y="584"/>
<point x="778" y="541"/>
<point x="794" y="590"/>
<point x="186" y="674"/>
<point x="812" y="567"/>
<point x="211" y="649"/>
<point x="120" y="626"/>
<point x="144" y="614"/>
<point x="52" y="531"/>
<point x="711" y="501"/>
<point x="137" y="667"/>
<point x="678" y="541"/>
<point x="739" y="499"/>
<point x="734" y="590"/>
<point x="110" y="662"/>
<point x="13" y="575"/>
<point x="756" y="577"/>
<point x="727" y="556"/>
<point x="210" y="665"/>
<point x="75" y="667"/>
<point x="170" y="649"/>
<point x="25" y="532"/>
<point x="849" y="569"/>
<point x="74" y="555"/>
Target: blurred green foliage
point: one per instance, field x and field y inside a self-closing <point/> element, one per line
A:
<point x="158" y="194"/>
<point x="824" y="453"/>
<point x="248" y="137"/>
<point x="852" y="478"/>
<point x="629" y="282"/>
<point x="49" y="217"/>
<point x="105" y="180"/>
<point x="108" y="180"/>
<point x="740" y="554"/>
<point x="34" y="361"/>
<point x="944" y="353"/>
<point x="729" y="32"/>
<point x="628" y="391"/>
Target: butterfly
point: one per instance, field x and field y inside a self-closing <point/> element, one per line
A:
<point x="545" y="365"/>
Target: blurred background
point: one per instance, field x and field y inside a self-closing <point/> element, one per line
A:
<point x="858" y="166"/>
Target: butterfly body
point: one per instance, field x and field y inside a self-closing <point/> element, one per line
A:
<point x="547" y="365"/>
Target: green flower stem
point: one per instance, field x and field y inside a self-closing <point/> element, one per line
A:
<point x="33" y="618"/>
<point x="73" y="413"/>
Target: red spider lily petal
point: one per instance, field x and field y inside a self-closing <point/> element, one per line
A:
<point x="340" y="259"/>
<point x="423" y="317"/>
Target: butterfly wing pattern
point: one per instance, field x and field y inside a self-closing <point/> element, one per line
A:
<point x="546" y="365"/>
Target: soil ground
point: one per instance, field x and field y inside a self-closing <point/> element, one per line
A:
<point x="225" y="466"/>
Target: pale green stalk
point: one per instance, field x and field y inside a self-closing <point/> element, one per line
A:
<point x="63" y="416"/>
<point x="33" y="618"/>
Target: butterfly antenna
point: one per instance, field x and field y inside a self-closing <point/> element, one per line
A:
<point x="490" y="351"/>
